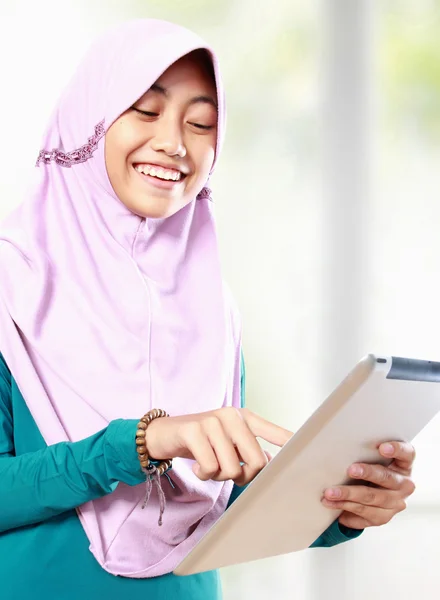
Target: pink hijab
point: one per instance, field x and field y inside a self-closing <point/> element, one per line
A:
<point x="104" y="315"/>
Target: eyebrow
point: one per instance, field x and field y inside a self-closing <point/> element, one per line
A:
<point x="197" y="99"/>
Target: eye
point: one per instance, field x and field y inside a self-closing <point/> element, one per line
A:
<point x="204" y="127"/>
<point x="146" y="113"/>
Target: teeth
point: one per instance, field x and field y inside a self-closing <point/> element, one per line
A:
<point x="158" y="172"/>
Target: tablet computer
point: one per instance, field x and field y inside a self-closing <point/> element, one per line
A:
<point x="381" y="399"/>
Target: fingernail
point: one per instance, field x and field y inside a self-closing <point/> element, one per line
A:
<point x="334" y="492"/>
<point x="356" y="471"/>
<point x="387" y="449"/>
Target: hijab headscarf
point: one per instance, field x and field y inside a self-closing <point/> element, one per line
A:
<point x="105" y="315"/>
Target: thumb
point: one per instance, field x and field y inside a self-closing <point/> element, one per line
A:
<point x="268" y="454"/>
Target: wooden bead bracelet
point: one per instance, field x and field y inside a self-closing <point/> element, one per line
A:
<point x="147" y="464"/>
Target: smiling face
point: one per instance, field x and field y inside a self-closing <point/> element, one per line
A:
<point x="159" y="153"/>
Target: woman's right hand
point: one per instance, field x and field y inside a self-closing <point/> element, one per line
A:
<point x="219" y="441"/>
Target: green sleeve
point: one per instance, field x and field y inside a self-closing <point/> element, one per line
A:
<point x="39" y="485"/>
<point x="6" y="429"/>
<point x="336" y="533"/>
<point x="237" y="490"/>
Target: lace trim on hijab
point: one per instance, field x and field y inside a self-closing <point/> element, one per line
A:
<point x="68" y="159"/>
<point x="205" y="193"/>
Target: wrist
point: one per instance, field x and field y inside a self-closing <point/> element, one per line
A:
<point x="145" y="456"/>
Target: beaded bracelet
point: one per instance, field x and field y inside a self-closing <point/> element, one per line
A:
<point x="152" y="468"/>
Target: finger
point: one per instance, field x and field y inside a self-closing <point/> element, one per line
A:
<point x="206" y="466"/>
<point x="269" y="456"/>
<point x="249" y="473"/>
<point x="403" y="453"/>
<point x="377" y="474"/>
<point x="353" y="521"/>
<point x="362" y="494"/>
<point x="274" y="434"/>
<point x="249" y="451"/>
<point x="374" y="516"/>
<point x="228" y="461"/>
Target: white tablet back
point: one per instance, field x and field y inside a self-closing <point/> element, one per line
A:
<point x="382" y="399"/>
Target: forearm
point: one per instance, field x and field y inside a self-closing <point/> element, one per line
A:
<point x="39" y="485"/>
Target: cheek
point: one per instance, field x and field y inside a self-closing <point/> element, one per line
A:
<point x="205" y="160"/>
<point x="121" y="140"/>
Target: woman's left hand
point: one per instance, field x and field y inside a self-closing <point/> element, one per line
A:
<point x="370" y="506"/>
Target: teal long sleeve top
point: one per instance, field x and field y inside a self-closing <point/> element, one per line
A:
<point x="44" y="551"/>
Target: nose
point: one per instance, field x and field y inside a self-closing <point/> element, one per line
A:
<point x="168" y="138"/>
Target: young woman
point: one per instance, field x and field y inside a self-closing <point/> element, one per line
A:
<point x="112" y="303"/>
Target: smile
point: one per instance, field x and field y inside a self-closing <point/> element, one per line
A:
<point x="159" y="172"/>
<point x="159" y="177"/>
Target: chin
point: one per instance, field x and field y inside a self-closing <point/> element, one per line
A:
<point x="158" y="210"/>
